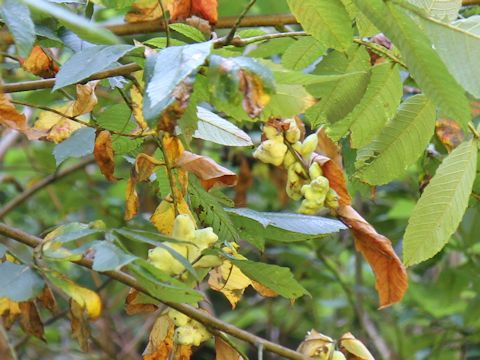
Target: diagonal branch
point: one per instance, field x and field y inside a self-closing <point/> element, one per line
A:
<point x="190" y="311"/>
<point x="12" y="204"/>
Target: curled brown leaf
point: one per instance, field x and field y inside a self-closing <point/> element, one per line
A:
<point x="207" y="170"/>
<point x="103" y="154"/>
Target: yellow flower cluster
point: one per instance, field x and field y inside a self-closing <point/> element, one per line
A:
<point x="313" y="187"/>
<point x="188" y="331"/>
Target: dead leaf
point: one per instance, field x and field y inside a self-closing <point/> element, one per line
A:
<point x="132" y="203"/>
<point x="79" y="325"/>
<point x="10" y="117"/>
<point x="133" y="306"/>
<point x="317" y="346"/>
<point x="391" y="276"/>
<point x="48" y="299"/>
<point x="146" y="10"/>
<point x="30" y="319"/>
<point x="164" y="215"/>
<point x="182" y="352"/>
<point x="59" y="127"/>
<point x="245" y="181"/>
<point x="328" y="147"/>
<point x="336" y="177"/>
<point x="449" y="133"/>
<point x="208" y="171"/>
<point x="40" y="63"/>
<point x="255" y="97"/>
<point x="223" y="351"/>
<point x="9" y="311"/>
<point x="160" y="341"/>
<point x="354" y="348"/>
<point x="103" y="154"/>
<point x="230" y="281"/>
<point x="169" y="117"/>
<point x="205" y="9"/>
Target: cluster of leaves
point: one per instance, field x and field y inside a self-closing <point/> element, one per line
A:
<point x="380" y="89"/>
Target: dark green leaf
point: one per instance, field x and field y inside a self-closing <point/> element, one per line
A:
<point x="108" y="257"/>
<point x="188" y="31"/>
<point x="277" y="278"/>
<point x="80" y="144"/>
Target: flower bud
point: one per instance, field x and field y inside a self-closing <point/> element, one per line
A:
<point x="183" y="228"/>
<point x="270" y="132"/>
<point x="331" y="199"/>
<point x="293" y="133"/>
<point x="315" y="170"/>
<point x="164" y="260"/>
<point x="309" y="145"/>
<point x="178" y="318"/>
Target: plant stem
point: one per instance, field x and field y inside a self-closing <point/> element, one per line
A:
<point x="233" y="30"/>
<point x="382" y="51"/>
<point x="168" y="167"/>
<point x="192" y="312"/>
<point x="165" y="21"/>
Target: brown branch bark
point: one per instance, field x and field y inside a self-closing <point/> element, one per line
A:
<point x="12" y="204"/>
<point x="194" y="313"/>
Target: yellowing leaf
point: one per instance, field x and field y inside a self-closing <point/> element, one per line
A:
<point x="137" y="105"/>
<point x="164" y="214"/>
<point x="9" y="311"/>
<point x="103" y="154"/>
<point x="255" y="97"/>
<point x="79" y="325"/>
<point x="86" y="298"/>
<point x="145" y="165"/>
<point x="10" y="117"/>
<point x="40" y="63"/>
<point x="230" y="281"/>
<point x="59" y="127"/>
<point x="355" y="348"/>
<point x="145" y="10"/>
<point x="132" y="202"/>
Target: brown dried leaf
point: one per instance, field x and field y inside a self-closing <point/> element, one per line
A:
<point x="173" y="148"/>
<point x="263" y="290"/>
<point x="316" y="345"/>
<point x="133" y="306"/>
<point x="182" y="352"/>
<point x="354" y="348"/>
<point x="40" y="63"/>
<point x="9" y="311"/>
<point x="164" y="215"/>
<point x="169" y="117"/>
<point x="245" y="181"/>
<point x="48" y="299"/>
<point x="132" y="203"/>
<point x="328" y="147"/>
<point x="223" y="351"/>
<point x="10" y="117"/>
<point x="208" y="171"/>
<point x="30" y="319"/>
<point x="103" y="154"/>
<point x="449" y="133"/>
<point x="205" y="9"/>
<point x="79" y="325"/>
<point x="230" y="281"/>
<point x="391" y="277"/>
<point x="160" y="342"/>
<point x="255" y="98"/>
<point x="335" y="176"/>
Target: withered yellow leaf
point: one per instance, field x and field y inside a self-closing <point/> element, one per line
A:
<point x="160" y="341"/>
<point x="79" y="325"/>
<point x="30" y="319"/>
<point x="145" y="165"/>
<point x="10" y="117"/>
<point x="137" y="105"/>
<point x="230" y="281"/>
<point x="9" y="311"/>
<point x="132" y="202"/>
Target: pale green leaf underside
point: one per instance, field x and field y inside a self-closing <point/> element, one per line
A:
<point x="459" y="49"/>
<point x="302" y="53"/>
<point x="338" y="98"/>
<point x="326" y="20"/>
<point x="442" y="205"/>
<point x="424" y="63"/>
<point x="377" y="106"/>
<point x="446" y="10"/>
<point x="212" y="127"/>
<point x="400" y="143"/>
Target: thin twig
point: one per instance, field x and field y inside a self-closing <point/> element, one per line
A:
<point x="165" y="21"/>
<point x="473" y="130"/>
<point x="192" y="312"/>
<point x="235" y="26"/>
<point x="21" y="198"/>
<point x="168" y="167"/>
